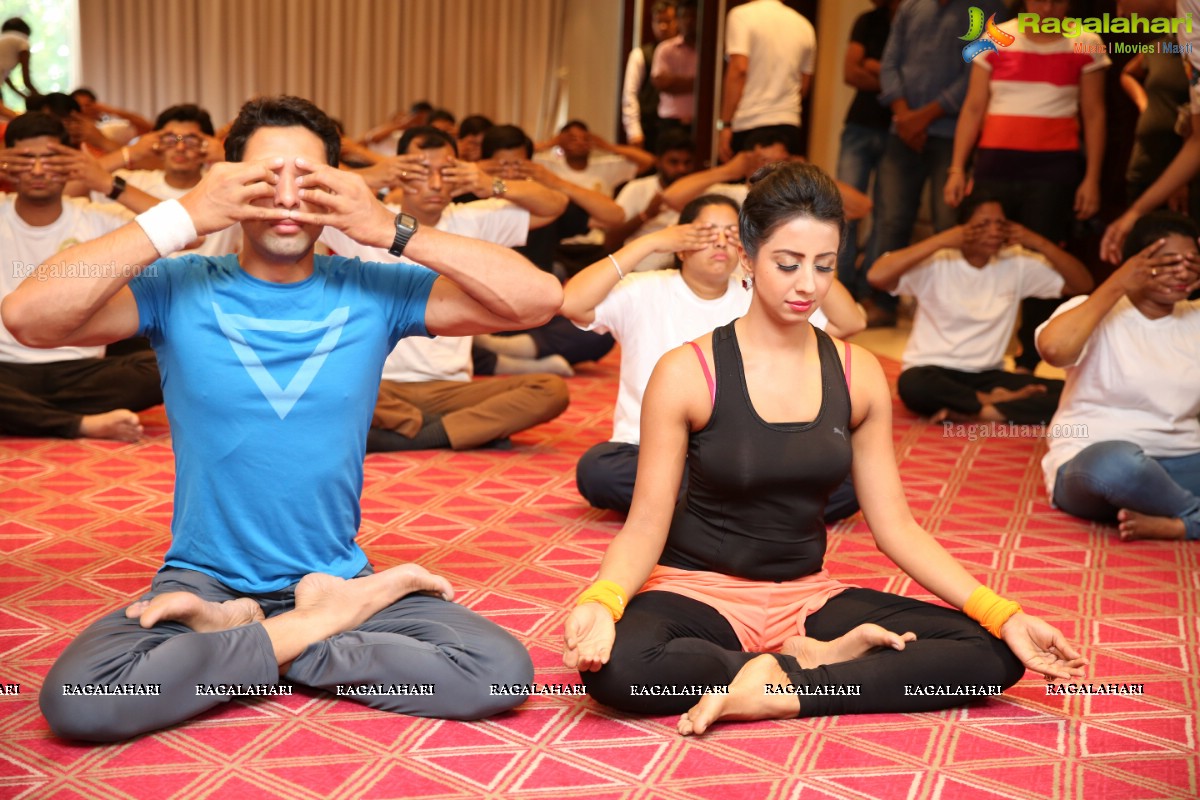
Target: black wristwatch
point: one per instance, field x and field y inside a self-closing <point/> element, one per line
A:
<point x="406" y="226"/>
<point x="118" y="188"/>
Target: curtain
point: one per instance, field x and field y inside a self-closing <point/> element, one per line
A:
<point x="359" y="60"/>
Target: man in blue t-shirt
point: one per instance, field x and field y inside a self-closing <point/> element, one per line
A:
<point x="270" y="364"/>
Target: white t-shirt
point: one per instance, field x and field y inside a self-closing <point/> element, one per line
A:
<point x="631" y="107"/>
<point x="604" y="171"/>
<point x="781" y="46"/>
<point x="12" y="44"/>
<point x="442" y="358"/>
<point x="154" y="183"/>
<point x="24" y="247"/>
<point x="650" y="313"/>
<point x="965" y="315"/>
<point x="1137" y="380"/>
<point x="634" y="198"/>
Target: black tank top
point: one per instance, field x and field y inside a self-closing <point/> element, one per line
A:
<point x="755" y="500"/>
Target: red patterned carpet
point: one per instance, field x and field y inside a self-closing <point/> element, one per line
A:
<point x="83" y="525"/>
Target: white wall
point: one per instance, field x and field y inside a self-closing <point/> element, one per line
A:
<point x="830" y="93"/>
<point x="592" y="64"/>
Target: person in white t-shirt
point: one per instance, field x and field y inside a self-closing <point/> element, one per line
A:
<point x="427" y="398"/>
<point x="14" y="50"/>
<point x="183" y="142"/>
<point x="1125" y="443"/>
<point x="642" y="198"/>
<point x="969" y="281"/>
<point x="65" y="392"/>
<point x="582" y="157"/>
<point x="652" y="312"/>
<point x="771" y="54"/>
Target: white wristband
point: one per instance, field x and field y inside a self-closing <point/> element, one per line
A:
<point x="168" y="226"/>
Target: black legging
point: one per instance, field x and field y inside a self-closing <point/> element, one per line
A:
<point x="665" y="639"/>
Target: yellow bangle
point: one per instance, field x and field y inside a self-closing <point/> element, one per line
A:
<point x="608" y="594"/>
<point x="990" y="609"/>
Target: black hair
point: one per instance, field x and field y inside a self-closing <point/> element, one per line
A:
<point x="765" y="137"/>
<point x="427" y="137"/>
<point x="282" y="111"/>
<point x="421" y="107"/>
<point x="441" y="114"/>
<point x="1157" y="225"/>
<point x="34" y="124"/>
<point x="17" y="25"/>
<point x="505" y="137"/>
<point x="574" y="123"/>
<point x="474" y="124"/>
<point x="781" y="192"/>
<point x="693" y="209"/>
<point x="662" y="5"/>
<point x="674" y="140"/>
<point x="185" y="112"/>
<point x="86" y="92"/>
<point x="56" y="103"/>
<point x="971" y="203"/>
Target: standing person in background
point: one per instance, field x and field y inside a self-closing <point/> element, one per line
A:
<point x="673" y="73"/>
<point x="865" y="130"/>
<point x="923" y="80"/>
<point x="639" y="98"/>
<point x="771" y="53"/>
<point x="1024" y="105"/>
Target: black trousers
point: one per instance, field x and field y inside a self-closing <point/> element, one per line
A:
<point x="666" y="639"/>
<point x="927" y="390"/>
<point x="559" y="337"/>
<point x="51" y="399"/>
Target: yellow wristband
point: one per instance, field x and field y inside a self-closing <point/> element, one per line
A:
<point x="608" y="594"/>
<point x="990" y="609"/>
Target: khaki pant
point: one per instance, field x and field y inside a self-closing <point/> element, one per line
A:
<point x="473" y="412"/>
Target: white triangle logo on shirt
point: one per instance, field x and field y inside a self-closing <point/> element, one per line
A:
<point x="281" y="398"/>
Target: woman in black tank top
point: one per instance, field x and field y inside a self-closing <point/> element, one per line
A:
<point x="735" y="607"/>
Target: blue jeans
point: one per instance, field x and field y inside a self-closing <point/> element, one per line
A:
<point x="903" y="173"/>
<point x="858" y="159"/>
<point x="1109" y="476"/>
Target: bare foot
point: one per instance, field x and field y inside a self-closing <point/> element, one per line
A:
<point x="1133" y="526"/>
<point x="122" y="425"/>
<point x="202" y="616"/>
<point x="344" y="604"/>
<point x="747" y="699"/>
<point x="858" y="642"/>
<point x="1002" y="395"/>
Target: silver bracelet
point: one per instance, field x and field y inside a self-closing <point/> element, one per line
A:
<point x="620" y="275"/>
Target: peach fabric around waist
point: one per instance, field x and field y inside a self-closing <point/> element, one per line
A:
<point x="763" y="613"/>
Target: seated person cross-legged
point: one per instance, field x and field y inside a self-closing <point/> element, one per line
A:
<point x="969" y="281"/>
<point x="271" y="361"/>
<point x="651" y="312"/>
<point x="727" y="585"/>
<point x="1125" y="443"/>
<point x="66" y="392"/>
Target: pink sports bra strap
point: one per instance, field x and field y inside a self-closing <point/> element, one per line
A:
<point x="712" y="385"/>
<point x="846" y="345"/>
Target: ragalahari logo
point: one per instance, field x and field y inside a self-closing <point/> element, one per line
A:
<point x="982" y="37"/>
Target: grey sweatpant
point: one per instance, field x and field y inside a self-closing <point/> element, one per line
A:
<point x="417" y="640"/>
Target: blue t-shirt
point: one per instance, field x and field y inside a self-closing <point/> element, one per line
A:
<point x="270" y="389"/>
